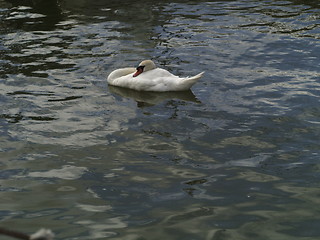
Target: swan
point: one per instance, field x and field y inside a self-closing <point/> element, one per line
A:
<point x="147" y="77"/>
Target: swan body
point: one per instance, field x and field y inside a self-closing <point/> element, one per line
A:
<point x="147" y="77"/>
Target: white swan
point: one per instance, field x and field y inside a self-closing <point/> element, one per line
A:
<point x="147" y="77"/>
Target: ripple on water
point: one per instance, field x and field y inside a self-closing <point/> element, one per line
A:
<point x="67" y="172"/>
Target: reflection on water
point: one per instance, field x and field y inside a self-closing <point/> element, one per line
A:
<point x="152" y="98"/>
<point x="235" y="158"/>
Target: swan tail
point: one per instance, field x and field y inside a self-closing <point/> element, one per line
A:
<point x="190" y="81"/>
<point x="196" y="77"/>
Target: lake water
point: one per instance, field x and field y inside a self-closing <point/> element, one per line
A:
<point x="238" y="157"/>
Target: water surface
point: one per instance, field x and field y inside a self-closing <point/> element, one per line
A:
<point x="234" y="158"/>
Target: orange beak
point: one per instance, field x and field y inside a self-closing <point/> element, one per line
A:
<point x="139" y="71"/>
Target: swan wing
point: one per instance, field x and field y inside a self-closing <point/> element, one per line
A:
<point x="174" y="83"/>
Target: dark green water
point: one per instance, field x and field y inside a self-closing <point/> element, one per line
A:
<point x="236" y="158"/>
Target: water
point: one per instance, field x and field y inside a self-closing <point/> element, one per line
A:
<point x="235" y="158"/>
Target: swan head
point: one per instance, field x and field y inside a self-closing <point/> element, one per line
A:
<point x="144" y="66"/>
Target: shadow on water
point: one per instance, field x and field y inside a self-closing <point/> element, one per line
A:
<point x="39" y="14"/>
<point x="19" y="117"/>
<point x="145" y="99"/>
<point x="311" y="3"/>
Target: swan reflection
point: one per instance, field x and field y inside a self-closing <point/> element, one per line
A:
<point x="145" y="99"/>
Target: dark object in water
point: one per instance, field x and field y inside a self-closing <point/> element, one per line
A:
<point x="42" y="234"/>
